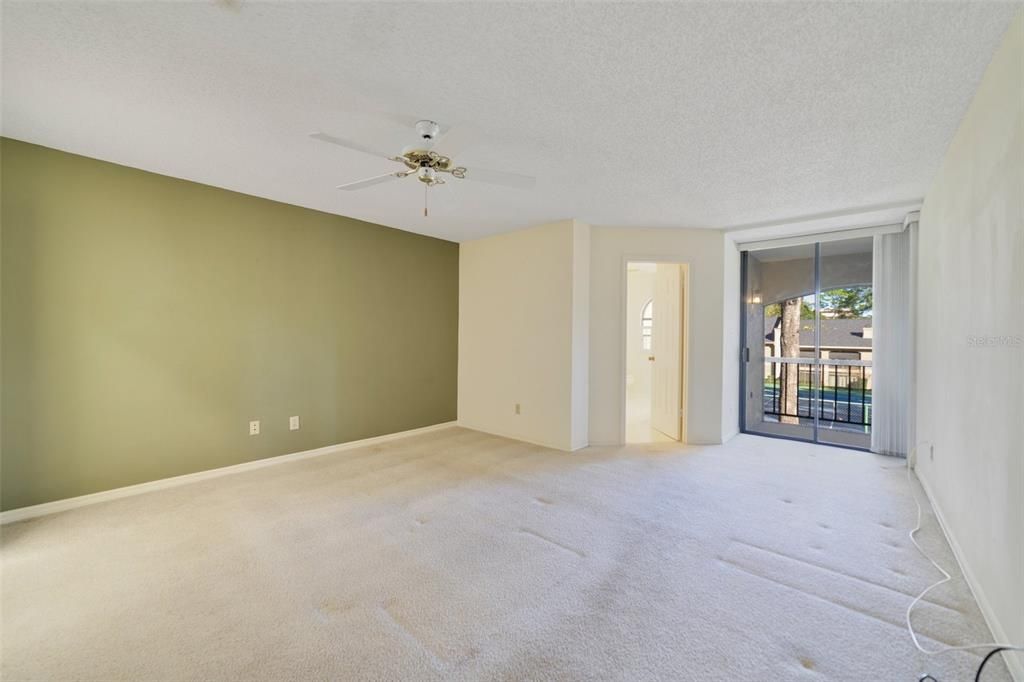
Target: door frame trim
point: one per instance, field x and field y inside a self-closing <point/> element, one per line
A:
<point x="684" y="379"/>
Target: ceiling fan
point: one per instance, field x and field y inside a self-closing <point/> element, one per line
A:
<point x="429" y="166"/>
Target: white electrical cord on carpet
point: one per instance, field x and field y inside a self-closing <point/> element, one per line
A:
<point x="946" y="578"/>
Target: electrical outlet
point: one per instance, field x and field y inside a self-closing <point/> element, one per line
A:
<point x="517" y="408"/>
<point x="293" y="423"/>
<point x="254" y="428"/>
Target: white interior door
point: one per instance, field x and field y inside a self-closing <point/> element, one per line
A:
<point x="666" y="344"/>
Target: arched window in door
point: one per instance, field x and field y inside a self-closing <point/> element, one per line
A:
<point x="646" y="324"/>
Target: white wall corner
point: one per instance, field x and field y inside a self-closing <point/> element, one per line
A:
<point x="579" y="430"/>
<point x="524" y="334"/>
<point x="731" y="342"/>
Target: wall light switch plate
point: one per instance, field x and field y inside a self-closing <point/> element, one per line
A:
<point x="517" y="408"/>
<point x="254" y="428"/>
<point x="293" y="423"/>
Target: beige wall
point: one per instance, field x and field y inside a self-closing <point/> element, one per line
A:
<point x="712" y="411"/>
<point x="146" y="320"/>
<point x="970" y="347"/>
<point x="522" y="333"/>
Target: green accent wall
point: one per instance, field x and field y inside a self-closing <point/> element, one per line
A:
<point x="146" y="320"/>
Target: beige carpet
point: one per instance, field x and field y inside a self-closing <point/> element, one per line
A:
<point x="462" y="556"/>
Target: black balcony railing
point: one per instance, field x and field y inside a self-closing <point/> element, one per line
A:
<point x="843" y="396"/>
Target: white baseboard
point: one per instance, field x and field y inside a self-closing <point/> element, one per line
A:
<point x="1013" y="660"/>
<point x="23" y="513"/>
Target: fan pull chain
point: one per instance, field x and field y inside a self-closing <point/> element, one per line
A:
<point x="425" y="188"/>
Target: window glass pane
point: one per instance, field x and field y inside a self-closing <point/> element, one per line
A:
<point x="780" y="312"/>
<point x="845" y="337"/>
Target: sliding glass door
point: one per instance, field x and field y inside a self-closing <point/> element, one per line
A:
<point x="779" y="316"/>
<point x="806" y="365"/>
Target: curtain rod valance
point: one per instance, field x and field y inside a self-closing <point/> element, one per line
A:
<point x="833" y="236"/>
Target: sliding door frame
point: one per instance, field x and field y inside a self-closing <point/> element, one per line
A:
<point x="816" y="375"/>
<point x="816" y="366"/>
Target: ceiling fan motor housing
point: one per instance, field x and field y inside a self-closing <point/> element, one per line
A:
<point x="428" y="130"/>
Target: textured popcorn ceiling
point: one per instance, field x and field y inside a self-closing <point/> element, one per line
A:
<point x="688" y="115"/>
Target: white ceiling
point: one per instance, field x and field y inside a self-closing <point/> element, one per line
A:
<point x="674" y="115"/>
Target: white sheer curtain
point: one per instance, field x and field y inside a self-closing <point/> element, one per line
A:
<point x="894" y="280"/>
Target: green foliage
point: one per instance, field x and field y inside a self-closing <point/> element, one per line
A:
<point x="848" y="302"/>
<point x="845" y="302"/>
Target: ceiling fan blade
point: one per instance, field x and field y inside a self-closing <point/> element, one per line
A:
<point x="404" y="120"/>
<point x="505" y="178"/>
<point x="349" y="144"/>
<point x="366" y="107"/>
<point x="376" y="180"/>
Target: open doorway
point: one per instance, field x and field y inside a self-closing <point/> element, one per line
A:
<point x="655" y="349"/>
